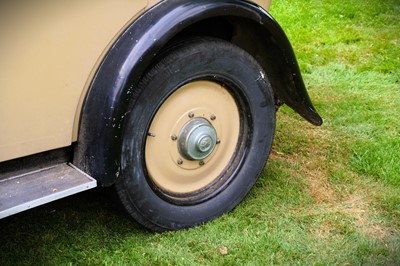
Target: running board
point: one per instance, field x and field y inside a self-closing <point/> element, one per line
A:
<point x="26" y="191"/>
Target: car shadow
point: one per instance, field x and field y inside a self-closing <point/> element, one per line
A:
<point x="92" y="219"/>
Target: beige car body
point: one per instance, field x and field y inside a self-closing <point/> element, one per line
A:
<point x="50" y="51"/>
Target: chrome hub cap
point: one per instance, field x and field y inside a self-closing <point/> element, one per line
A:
<point x="197" y="139"/>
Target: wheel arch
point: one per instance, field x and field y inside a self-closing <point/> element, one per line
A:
<point x="104" y="108"/>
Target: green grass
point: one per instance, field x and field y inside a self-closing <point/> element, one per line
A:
<point x="329" y="195"/>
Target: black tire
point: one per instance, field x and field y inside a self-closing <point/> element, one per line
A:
<point x="189" y="61"/>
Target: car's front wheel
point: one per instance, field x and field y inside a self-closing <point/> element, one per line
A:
<point x="197" y="134"/>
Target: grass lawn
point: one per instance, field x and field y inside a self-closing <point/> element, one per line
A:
<point x="328" y="195"/>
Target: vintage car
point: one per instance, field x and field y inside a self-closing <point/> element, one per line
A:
<point x="171" y="102"/>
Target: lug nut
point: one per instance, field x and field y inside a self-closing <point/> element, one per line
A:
<point x="179" y="161"/>
<point x="218" y="141"/>
<point x="174" y="137"/>
<point x="213" y="117"/>
<point x="191" y="114"/>
<point x="201" y="163"/>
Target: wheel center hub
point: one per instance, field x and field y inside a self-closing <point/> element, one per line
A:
<point x="197" y="139"/>
<point x="205" y="143"/>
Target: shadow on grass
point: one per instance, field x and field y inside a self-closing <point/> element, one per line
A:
<point x="73" y="229"/>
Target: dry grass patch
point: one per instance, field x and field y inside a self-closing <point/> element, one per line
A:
<point x="316" y="159"/>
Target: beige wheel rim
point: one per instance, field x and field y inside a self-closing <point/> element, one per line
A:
<point x="166" y="165"/>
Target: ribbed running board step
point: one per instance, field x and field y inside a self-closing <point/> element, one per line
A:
<point x="20" y="193"/>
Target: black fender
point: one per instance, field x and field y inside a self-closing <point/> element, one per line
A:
<point x="97" y="151"/>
